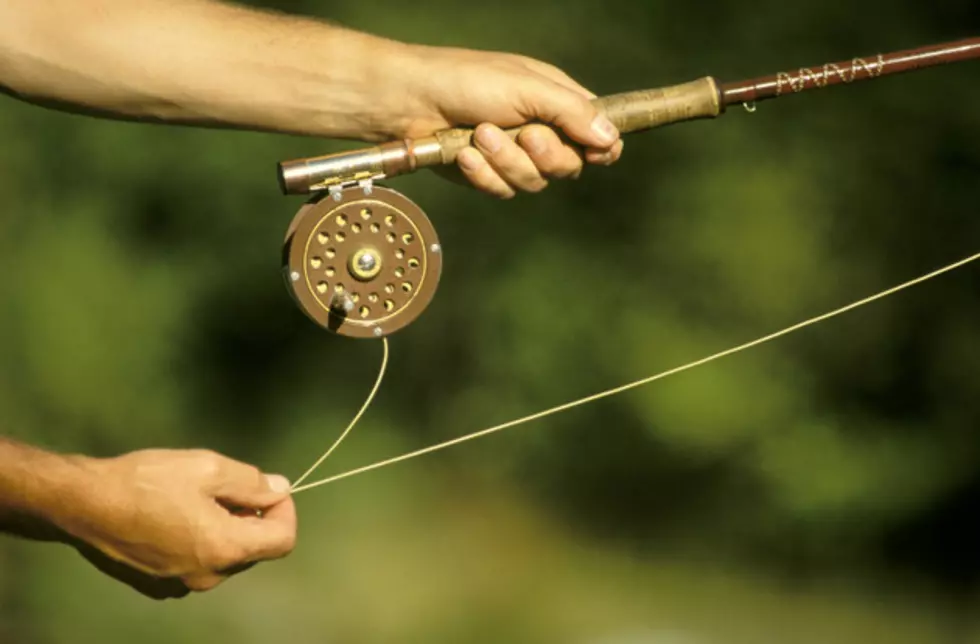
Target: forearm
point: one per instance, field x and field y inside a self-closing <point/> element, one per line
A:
<point x="203" y="62"/>
<point x="39" y="491"/>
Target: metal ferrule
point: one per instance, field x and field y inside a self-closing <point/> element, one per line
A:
<point x="304" y="176"/>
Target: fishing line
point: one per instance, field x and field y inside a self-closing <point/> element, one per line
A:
<point x="343" y="435"/>
<point x="609" y="392"/>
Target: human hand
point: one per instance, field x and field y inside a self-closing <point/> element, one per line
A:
<point x="171" y="522"/>
<point x="454" y="87"/>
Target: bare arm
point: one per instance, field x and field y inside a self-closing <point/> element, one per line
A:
<point x="198" y="62"/>
<point x="208" y="63"/>
<point x="35" y="489"/>
<point x="164" y="522"/>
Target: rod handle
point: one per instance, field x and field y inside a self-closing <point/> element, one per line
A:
<point x="629" y="112"/>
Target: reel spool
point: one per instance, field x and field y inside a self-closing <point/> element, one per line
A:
<point x="361" y="262"/>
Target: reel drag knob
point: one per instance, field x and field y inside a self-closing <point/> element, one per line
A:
<point x="361" y="265"/>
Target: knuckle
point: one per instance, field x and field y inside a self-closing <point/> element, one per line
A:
<point x="287" y="543"/>
<point x="550" y="68"/>
<point x="549" y="165"/>
<point x="214" y="554"/>
<point x="253" y="472"/>
<point x="559" y="165"/>
<point x="471" y="162"/>
<point x="511" y="161"/>
<point x="506" y="61"/>
<point x="226" y="555"/>
<point x="578" y="105"/>
<point x="520" y="62"/>
<point x="519" y="169"/>
<point x="201" y="583"/>
<point x="522" y="178"/>
<point x="226" y="558"/>
<point x="208" y="461"/>
<point x="528" y="178"/>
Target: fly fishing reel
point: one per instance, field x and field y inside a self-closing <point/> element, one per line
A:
<point x="363" y="261"/>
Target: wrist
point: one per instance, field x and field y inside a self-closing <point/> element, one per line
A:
<point x="66" y="492"/>
<point x="40" y="491"/>
<point x="374" y="91"/>
<point x="82" y="497"/>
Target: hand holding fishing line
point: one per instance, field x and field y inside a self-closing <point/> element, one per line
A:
<point x="404" y="247"/>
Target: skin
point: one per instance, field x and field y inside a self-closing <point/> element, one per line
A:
<point x="166" y="522"/>
<point x="204" y="63"/>
<point x="171" y="522"/>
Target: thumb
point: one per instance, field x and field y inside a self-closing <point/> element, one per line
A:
<point x="246" y="490"/>
<point x="571" y="111"/>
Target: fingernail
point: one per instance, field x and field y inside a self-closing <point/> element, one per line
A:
<point x="605" y="130"/>
<point x="490" y="138"/>
<point x="277" y="483"/>
<point x="469" y="159"/>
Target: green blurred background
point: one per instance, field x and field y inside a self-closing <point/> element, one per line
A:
<point x="819" y="489"/>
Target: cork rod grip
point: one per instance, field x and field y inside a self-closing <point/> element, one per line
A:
<point x="629" y="112"/>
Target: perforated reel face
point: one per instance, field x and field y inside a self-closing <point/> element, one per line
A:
<point x="365" y="265"/>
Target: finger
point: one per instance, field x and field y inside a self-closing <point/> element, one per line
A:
<point x="573" y="113"/>
<point x="546" y="150"/>
<point x="478" y="172"/>
<point x="605" y="157"/>
<point x="508" y="159"/>
<point x="203" y="582"/>
<point x="271" y="537"/>
<point x="245" y="486"/>
<point x="557" y="75"/>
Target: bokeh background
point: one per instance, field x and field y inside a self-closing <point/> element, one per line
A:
<point x="823" y="488"/>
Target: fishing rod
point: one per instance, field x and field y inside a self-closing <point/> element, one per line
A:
<point x="364" y="261"/>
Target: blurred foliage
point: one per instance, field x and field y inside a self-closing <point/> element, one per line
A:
<point x="818" y="489"/>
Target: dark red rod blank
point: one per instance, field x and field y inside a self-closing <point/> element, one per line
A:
<point x="858" y="69"/>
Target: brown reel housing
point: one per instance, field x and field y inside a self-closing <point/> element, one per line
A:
<point x="361" y="264"/>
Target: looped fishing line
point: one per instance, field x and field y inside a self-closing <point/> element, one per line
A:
<point x="604" y="394"/>
<point x="343" y="435"/>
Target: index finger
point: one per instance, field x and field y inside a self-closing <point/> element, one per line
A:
<point x="575" y="114"/>
<point x="558" y="75"/>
